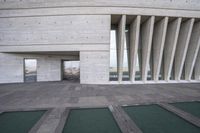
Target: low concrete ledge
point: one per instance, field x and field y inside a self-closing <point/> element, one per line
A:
<point x="124" y="121"/>
<point x="192" y="119"/>
<point x="62" y="121"/>
<point x="39" y="123"/>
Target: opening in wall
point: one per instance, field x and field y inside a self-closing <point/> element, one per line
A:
<point x="193" y="75"/>
<point x="126" y="60"/>
<point x="183" y="73"/>
<point x="138" y="66"/>
<point x="150" y="66"/>
<point x="161" y="74"/>
<point x="30" y="70"/>
<point x="71" y="70"/>
<point x="113" y="53"/>
<point x="172" y="75"/>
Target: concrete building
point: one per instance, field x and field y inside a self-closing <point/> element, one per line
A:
<point x="116" y="41"/>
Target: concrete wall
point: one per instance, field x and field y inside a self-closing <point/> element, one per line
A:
<point x="61" y="26"/>
<point x="46" y="33"/>
<point x="56" y="33"/>
<point x="94" y="67"/>
<point x="48" y="67"/>
<point x="11" y="68"/>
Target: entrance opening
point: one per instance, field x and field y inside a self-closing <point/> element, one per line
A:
<point x="71" y="70"/>
<point x="30" y="70"/>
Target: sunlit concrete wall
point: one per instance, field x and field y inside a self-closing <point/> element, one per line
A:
<point x="29" y="26"/>
<point x="48" y="66"/>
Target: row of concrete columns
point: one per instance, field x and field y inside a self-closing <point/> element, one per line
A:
<point x="172" y="41"/>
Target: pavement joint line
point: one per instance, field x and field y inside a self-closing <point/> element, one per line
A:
<point x="125" y="123"/>
<point x="8" y="93"/>
<point x="62" y="121"/>
<point x="186" y="116"/>
<point x="41" y="120"/>
<point x="24" y="109"/>
<point x="150" y="103"/>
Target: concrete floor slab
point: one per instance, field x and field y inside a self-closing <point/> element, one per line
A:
<point x="66" y="94"/>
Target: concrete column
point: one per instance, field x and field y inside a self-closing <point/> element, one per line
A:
<point x="147" y="34"/>
<point x="120" y="50"/>
<point x="134" y="41"/>
<point x="170" y="46"/>
<point x="197" y="67"/>
<point x="193" y="49"/>
<point x="182" y="46"/>
<point x="158" y="45"/>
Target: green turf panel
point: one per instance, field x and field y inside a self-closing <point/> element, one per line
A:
<point x="154" y="119"/>
<point x="19" y="122"/>
<point x="190" y="107"/>
<point x="91" y="121"/>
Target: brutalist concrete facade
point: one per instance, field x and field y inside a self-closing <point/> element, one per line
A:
<point x="49" y="30"/>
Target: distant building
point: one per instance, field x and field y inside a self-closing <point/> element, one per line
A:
<point x="100" y="41"/>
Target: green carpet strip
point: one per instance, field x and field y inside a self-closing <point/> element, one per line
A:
<point x="190" y="107"/>
<point x="91" y="121"/>
<point x="154" y="119"/>
<point x="19" y="122"/>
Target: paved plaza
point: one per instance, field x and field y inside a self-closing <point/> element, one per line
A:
<point x="66" y="94"/>
<point x="59" y="97"/>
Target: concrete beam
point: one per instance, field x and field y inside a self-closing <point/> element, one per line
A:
<point x="158" y="45"/>
<point x="57" y="11"/>
<point x="182" y="46"/>
<point x="134" y="41"/>
<point x="170" y="46"/>
<point x="147" y="34"/>
<point x="120" y="49"/>
<point x="167" y="4"/>
<point x="193" y="49"/>
<point x="49" y="48"/>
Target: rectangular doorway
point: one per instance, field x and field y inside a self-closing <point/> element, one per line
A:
<point x="71" y="70"/>
<point x="30" y="70"/>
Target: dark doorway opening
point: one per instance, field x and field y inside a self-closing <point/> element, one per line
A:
<point x="30" y="70"/>
<point x="71" y="70"/>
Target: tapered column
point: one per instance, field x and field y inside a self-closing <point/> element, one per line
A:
<point x="134" y="41"/>
<point x="147" y="34"/>
<point x="193" y="49"/>
<point x="120" y="48"/>
<point x="182" y="46"/>
<point x="197" y="67"/>
<point x="158" y="45"/>
<point x="170" y="46"/>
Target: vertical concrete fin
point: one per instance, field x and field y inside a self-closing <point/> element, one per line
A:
<point x="159" y="36"/>
<point x="120" y="50"/>
<point x="147" y="34"/>
<point x="134" y="41"/>
<point x="170" y="46"/>
<point x="182" y="46"/>
<point x="197" y="66"/>
<point x="193" y="49"/>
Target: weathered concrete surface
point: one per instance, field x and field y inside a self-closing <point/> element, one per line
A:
<point x="124" y="121"/>
<point x="52" y="121"/>
<point x="190" y="118"/>
<point x="61" y="96"/>
<point x="65" y="94"/>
